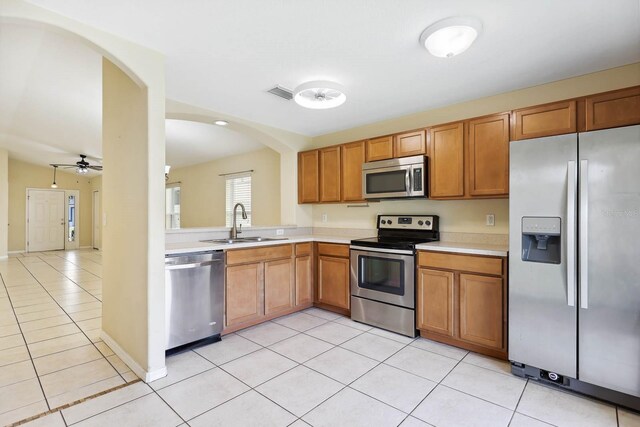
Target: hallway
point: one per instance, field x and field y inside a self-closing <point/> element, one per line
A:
<point x="51" y="353"/>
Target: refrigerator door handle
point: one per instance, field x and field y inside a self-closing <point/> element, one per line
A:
<point x="584" y="237"/>
<point x="571" y="233"/>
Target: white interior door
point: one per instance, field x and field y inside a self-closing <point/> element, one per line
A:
<point x="97" y="213"/>
<point x="45" y="220"/>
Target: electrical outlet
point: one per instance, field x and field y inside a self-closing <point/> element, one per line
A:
<point x="279" y="232"/>
<point x="324" y="217"/>
<point x="491" y="220"/>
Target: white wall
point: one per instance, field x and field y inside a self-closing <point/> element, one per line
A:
<point x="4" y="203"/>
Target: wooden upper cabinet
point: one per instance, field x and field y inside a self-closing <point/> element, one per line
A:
<point x="308" y="177"/>
<point x="613" y="109"/>
<point x="380" y="148"/>
<point x="481" y="310"/>
<point x="545" y="120"/>
<point x="410" y="144"/>
<point x="353" y="156"/>
<point x="446" y="160"/>
<point x="435" y="301"/>
<point x="330" y="174"/>
<point x="488" y="151"/>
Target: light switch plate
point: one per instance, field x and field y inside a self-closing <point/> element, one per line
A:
<point x="279" y="232"/>
<point x="324" y="217"/>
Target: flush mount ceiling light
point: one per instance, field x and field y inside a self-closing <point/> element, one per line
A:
<point x="451" y="36"/>
<point x="319" y="95"/>
<point x="221" y="122"/>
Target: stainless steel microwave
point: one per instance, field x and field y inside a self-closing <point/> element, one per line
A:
<point x="395" y="178"/>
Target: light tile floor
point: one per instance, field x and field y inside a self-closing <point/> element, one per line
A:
<point x="50" y="321"/>
<point x="310" y="368"/>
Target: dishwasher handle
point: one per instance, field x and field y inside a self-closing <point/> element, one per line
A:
<point x="191" y="265"/>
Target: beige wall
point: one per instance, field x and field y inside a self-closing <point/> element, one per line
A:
<point x="4" y="203"/>
<point x="462" y="216"/>
<point x="202" y="190"/>
<point x="96" y="185"/>
<point x="24" y="175"/>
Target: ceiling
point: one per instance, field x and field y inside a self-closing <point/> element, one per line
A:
<point x="224" y="55"/>
<point x="51" y="105"/>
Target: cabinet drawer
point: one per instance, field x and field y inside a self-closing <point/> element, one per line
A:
<point x="475" y="264"/>
<point x="332" y="249"/>
<point x="303" y="249"/>
<point x="241" y="256"/>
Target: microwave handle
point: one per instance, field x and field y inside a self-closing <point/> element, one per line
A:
<point x="407" y="178"/>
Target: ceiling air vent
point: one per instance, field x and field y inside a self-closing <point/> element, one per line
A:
<point x="282" y="92"/>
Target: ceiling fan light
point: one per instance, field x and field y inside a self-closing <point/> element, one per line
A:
<point x="451" y="36"/>
<point x="319" y="95"/>
<point x="82" y="171"/>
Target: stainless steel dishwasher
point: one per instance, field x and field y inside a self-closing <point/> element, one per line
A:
<point x="194" y="298"/>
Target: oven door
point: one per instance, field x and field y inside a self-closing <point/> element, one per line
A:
<point x="384" y="275"/>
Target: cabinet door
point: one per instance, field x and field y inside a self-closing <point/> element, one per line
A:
<point x="279" y="286"/>
<point x="481" y="310"/>
<point x="333" y="281"/>
<point x="330" y="174"/>
<point x="410" y="144"/>
<point x="446" y="163"/>
<point x="435" y="301"/>
<point x="352" y="160"/>
<point x="613" y="109"/>
<point x="545" y="120"/>
<point x="304" y="283"/>
<point x="488" y="150"/>
<point x="308" y="177"/>
<point x="244" y="293"/>
<point x="380" y="148"/>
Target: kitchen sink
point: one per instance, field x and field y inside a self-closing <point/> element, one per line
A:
<point x="243" y="240"/>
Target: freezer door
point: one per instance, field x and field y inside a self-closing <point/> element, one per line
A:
<point x="542" y="312"/>
<point x="609" y="252"/>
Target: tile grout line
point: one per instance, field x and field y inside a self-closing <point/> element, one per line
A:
<point x="26" y="346"/>
<point x="81" y="331"/>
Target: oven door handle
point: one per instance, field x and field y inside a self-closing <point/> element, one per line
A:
<point x="381" y="250"/>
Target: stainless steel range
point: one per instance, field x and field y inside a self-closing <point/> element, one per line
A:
<point x="383" y="272"/>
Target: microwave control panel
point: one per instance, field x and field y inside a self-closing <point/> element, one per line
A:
<point x="408" y="222"/>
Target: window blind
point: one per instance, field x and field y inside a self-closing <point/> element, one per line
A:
<point x="238" y="190"/>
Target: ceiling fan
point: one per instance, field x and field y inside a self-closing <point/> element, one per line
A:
<point x="81" y="166"/>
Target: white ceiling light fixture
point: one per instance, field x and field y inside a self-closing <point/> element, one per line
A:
<point x="221" y="122"/>
<point x="319" y="95"/>
<point x="451" y="36"/>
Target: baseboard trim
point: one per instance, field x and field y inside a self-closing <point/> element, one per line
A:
<point x="146" y="376"/>
<point x="3" y="257"/>
<point x="16" y="252"/>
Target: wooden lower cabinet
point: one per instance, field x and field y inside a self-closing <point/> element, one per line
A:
<point x="333" y="281"/>
<point x="279" y="286"/>
<point x="244" y="296"/>
<point x="266" y="282"/>
<point x="481" y="307"/>
<point x="435" y="301"/>
<point x="462" y="301"/>
<point x="304" y="280"/>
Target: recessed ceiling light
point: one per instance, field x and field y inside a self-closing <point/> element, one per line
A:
<point x="451" y="36"/>
<point x="221" y="122"/>
<point x="319" y="95"/>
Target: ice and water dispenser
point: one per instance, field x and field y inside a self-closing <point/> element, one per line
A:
<point x="541" y="239"/>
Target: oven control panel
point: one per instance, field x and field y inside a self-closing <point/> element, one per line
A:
<point x="408" y="222"/>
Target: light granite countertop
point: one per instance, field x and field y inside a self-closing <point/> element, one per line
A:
<point x="186" y="247"/>
<point x="466" y="248"/>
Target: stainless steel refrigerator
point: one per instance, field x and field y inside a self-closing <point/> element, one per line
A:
<point x="574" y="264"/>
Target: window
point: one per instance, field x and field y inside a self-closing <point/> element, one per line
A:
<point x="238" y="190"/>
<point x="172" y="206"/>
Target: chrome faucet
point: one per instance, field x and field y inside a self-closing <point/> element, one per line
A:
<point x="234" y="230"/>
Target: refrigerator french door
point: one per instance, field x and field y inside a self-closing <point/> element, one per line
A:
<point x="574" y="269"/>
